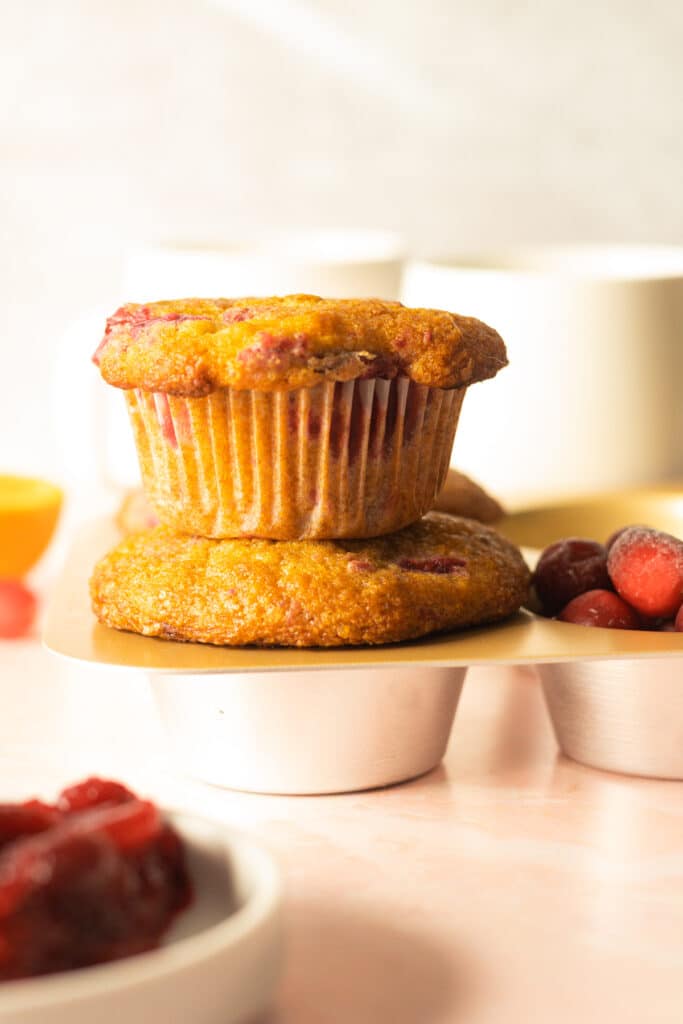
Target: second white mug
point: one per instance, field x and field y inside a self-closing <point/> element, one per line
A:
<point x="589" y="401"/>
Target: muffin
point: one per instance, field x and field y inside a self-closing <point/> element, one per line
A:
<point x="441" y="573"/>
<point x="294" y="417"/>
<point x="134" y="513"/>
<point x="461" y="496"/>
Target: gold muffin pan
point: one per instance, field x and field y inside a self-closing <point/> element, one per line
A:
<point x="72" y="631"/>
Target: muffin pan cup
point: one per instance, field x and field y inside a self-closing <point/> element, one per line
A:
<point x="354" y="459"/>
<point x="302" y="732"/>
<point x="623" y="716"/>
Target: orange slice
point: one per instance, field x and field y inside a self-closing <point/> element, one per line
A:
<point x="29" y="510"/>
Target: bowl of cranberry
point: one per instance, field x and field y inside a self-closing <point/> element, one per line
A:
<point x="620" y="714"/>
<point x="112" y="909"/>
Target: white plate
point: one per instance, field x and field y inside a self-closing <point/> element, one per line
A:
<point x="218" y="964"/>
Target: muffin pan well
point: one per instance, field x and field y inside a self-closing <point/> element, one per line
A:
<point x="614" y="696"/>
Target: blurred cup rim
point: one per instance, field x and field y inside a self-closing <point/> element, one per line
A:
<point x="321" y="247"/>
<point x="590" y="262"/>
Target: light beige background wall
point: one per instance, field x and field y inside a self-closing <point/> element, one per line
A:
<point x="458" y="124"/>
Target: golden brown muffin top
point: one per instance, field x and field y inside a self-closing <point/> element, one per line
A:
<point x="195" y="346"/>
<point x="442" y="572"/>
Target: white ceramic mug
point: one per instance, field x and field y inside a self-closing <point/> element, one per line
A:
<point x="594" y="337"/>
<point x="337" y="264"/>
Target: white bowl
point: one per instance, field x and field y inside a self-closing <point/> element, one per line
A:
<point x="309" y="732"/>
<point x="218" y="964"/>
<point x="622" y="715"/>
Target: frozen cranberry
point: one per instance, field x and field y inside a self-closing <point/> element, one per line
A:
<point x="609" y="543"/>
<point x="600" y="608"/>
<point x="17" y="609"/>
<point x="567" y="568"/>
<point x="646" y="568"/>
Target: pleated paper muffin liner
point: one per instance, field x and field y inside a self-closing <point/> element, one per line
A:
<point x="354" y="459"/>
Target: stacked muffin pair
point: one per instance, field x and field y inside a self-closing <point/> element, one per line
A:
<point x="291" y="448"/>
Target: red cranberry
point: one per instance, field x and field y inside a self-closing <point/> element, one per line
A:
<point x="567" y="568"/>
<point x="613" y="537"/>
<point x="646" y="568"/>
<point x="18" y="607"/>
<point x="441" y="565"/>
<point x="600" y="608"/>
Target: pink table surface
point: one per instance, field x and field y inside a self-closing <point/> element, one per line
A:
<point x="509" y="885"/>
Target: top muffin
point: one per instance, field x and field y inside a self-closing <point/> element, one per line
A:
<point x="192" y="347"/>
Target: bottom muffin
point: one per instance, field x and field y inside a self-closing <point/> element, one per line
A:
<point x="441" y="573"/>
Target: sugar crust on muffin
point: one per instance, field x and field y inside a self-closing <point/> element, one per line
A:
<point x="191" y="347"/>
<point x="441" y="573"/>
